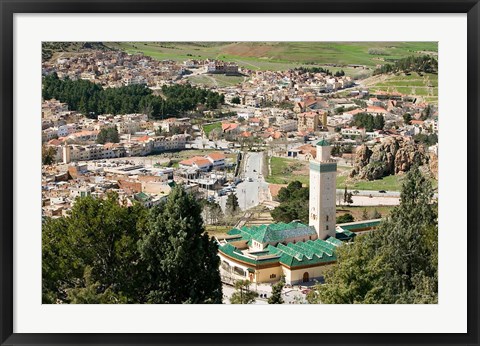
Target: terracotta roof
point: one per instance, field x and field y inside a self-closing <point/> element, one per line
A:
<point x="417" y="122"/>
<point x="229" y="126"/>
<point x="216" y="156"/>
<point x="55" y="142"/>
<point x="376" y="109"/>
<point x="197" y="160"/>
<point x="355" y="111"/>
<point x="143" y="139"/>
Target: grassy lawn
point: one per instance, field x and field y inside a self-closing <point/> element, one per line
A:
<point x="286" y="170"/>
<point x="388" y="183"/>
<point x="357" y="212"/>
<point x="208" y="128"/>
<point x="218" y="80"/>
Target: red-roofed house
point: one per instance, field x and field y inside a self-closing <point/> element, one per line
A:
<point x="377" y="110"/>
<point x="217" y="159"/>
<point x="230" y="128"/>
<point x="196" y="162"/>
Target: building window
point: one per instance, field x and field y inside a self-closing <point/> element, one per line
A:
<point x="273" y="276"/>
<point x="327" y="218"/>
<point x="327" y="227"/>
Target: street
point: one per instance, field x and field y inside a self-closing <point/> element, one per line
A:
<point x="250" y="193"/>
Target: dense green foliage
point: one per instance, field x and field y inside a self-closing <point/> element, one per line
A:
<point x="397" y="263"/>
<point x="91" y="99"/>
<point x="293" y="203"/>
<point x="407" y="118"/>
<point x="368" y="121"/>
<point x="99" y="238"/>
<point x="109" y="135"/>
<point x="314" y="69"/>
<point x="236" y="100"/>
<point x="426" y="139"/>
<point x="345" y="218"/>
<point x="425" y="63"/>
<point x="276" y="297"/>
<point x="182" y="261"/>
<point x="242" y="294"/>
<point x="107" y="253"/>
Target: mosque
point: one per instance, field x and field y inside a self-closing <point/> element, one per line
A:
<point x="299" y="252"/>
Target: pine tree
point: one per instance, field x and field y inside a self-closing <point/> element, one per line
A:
<point x="243" y="294"/>
<point x="397" y="263"/>
<point x="276" y="297"/>
<point x="183" y="265"/>
<point x="232" y="206"/>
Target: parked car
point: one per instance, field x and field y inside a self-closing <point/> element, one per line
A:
<point x="250" y="179"/>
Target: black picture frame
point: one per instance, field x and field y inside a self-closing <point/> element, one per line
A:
<point x="9" y="8"/>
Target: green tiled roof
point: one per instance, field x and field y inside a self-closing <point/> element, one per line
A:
<point x="323" y="143"/>
<point x="141" y="196"/>
<point x="345" y="235"/>
<point x="233" y="252"/>
<point x="333" y="241"/>
<point x="274" y="233"/>
<point x="352" y="226"/>
<point x="308" y="252"/>
<point x="304" y="253"/>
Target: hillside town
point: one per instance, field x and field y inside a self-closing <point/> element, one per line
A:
<point x="299" y="117"/>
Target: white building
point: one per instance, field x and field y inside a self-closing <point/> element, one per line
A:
<point x="323" y="177"/>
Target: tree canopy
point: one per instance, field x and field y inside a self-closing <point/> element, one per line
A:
<point x="293" y="203"/>
<point x="109" y="135"/>
<point x="368" y="121"/>
<point x="424" y="63"/>
<point x="276" y="297"/>
<point x="104" y="252"/>
<point x="243" y="294"/>
<point x="182" y="261"/>
<point x="397" y="263"/>
<point x="91" y="99"/>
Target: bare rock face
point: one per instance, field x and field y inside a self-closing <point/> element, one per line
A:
<point x="362" y="158"/>
<point x="391" y="156"/>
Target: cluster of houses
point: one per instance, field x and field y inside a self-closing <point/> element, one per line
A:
<point x="77" y="140"/>
<point x="276" y="107"/>
<point x="114" y="68"/>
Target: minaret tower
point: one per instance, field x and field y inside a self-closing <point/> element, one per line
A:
<point x="323" y="177"/>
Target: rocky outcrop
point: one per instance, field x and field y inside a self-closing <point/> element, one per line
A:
<point x="391" y="156"/>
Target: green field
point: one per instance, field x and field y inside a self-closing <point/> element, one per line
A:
<point x="208" y="128"/>
<point x="388" y="183"/>
<point x="285" y="170"/>
<point x="357" y="212"/>
<point x="218" y="80"/>
<point x="425" y="85"/>
<point x="281" y="55"/>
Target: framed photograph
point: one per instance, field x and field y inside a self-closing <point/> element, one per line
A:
<point x="239" y="173"/>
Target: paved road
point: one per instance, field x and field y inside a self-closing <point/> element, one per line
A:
<point x="250" y="193"/>
<point x="374" y="193"/>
